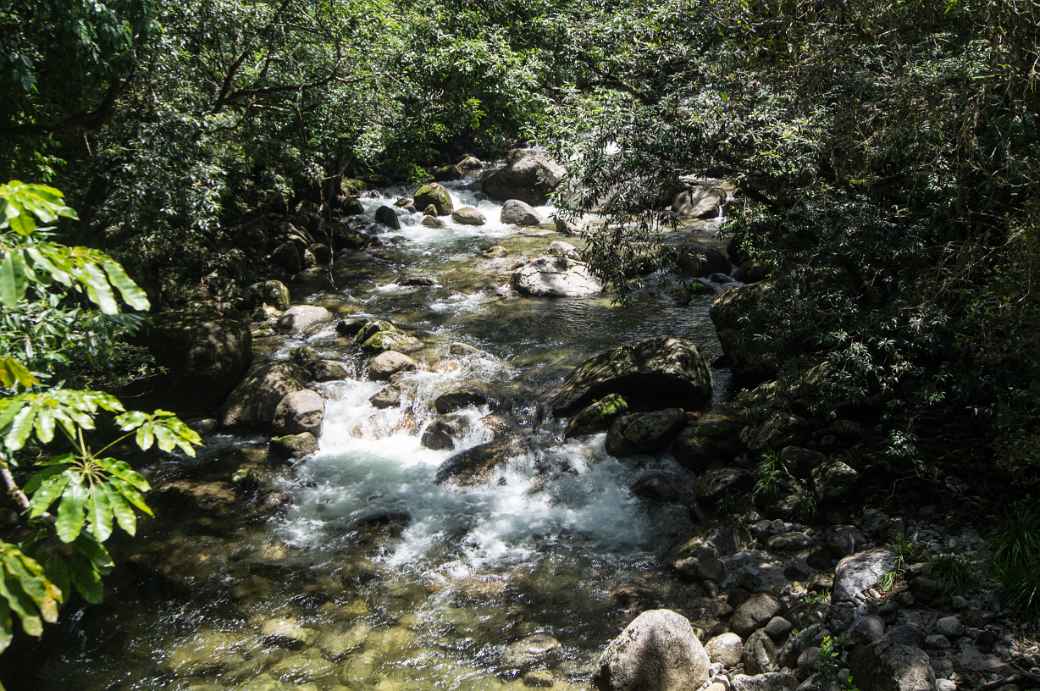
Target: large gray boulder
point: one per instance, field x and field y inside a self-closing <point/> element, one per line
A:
<point x="253" y="402"/>
<point x="891" y="665"/>
<point x="300" y="411"/>
<point x="555" y="277"/>
<point x="754" y="613"/>
<point x="389" y="363"/>
<point x="658" y="651"/>
<point x="657" y="373"/>
<point x="520" y="213"/>
<point x="644" y="432"/>
<point x="596" y="417"/>
<point x="858" y="574"/>
<point x="468" y="216"/>
<point x="301" y="319"/>
<point x="529" y="175"/>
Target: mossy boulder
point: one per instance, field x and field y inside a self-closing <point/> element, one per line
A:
<point x="654" y="374"/>
<point x="597" y="417"/>
<point x="436" y="195"/>
<point x="378" y="336"/>
<point x="639" y="433"/>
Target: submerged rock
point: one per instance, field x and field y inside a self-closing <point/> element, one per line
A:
<point x="443" y="431"/>
<point x="530" y="651"/>
<point x="530" y="175"/>
<point x="653" y="374"/>
<point x="291" y="446"/>
<point x="474" y="466"/>
<point x="461" y="396"/>
<point x="520" y="213"/>
<point x="638" y="433"/>
<point x="659" y="651"/>
<point x="555" y="277"/>
<point x="434" y="195"/>
<point x="387" y="397"/>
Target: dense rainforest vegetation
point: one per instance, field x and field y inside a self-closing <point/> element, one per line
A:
<point x="884" y="159"/>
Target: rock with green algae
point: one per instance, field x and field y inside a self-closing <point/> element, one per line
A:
<point x="304" y="666"/>
<point x="434" y="195"/>
<point x="208" y="652"/>
<point x="338" y="643"/>
<point x="597" y="416"/>
<point x="286" y="633"/>
<point x="378" y="336"/>
<point x="639" y="433"/>
<point x="291" y="446"/>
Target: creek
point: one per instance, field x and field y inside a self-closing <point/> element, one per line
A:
<point x="377" y="577"/>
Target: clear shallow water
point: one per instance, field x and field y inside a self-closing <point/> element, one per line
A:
<point x="394" y="581"/>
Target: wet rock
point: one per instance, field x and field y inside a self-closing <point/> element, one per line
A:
<point x="653" y="374"/>
<point x="206" y="652"/>
<point x="695" y="260"/>
<point x="336" y="645"/>
<point x="474" y="466"/>
<point x="292" y="446"/>
<point x="417" y="281"/>
<point x="327" y="370"/>
<point x="443" y="431"/>
<point x="754" y="612"/>
<point x="891" y="666"/>
<point x="555" y="277"/>
<point x="638" y="433"/>
<point x="468" y="216"/>
<point x="772" y="681"/>
<point x="348" y="328"/>
<point x="387" y="397"/>
<point x="205" y="355"/>
<point x="699" y="201"/>
<point x="300" y="411"/>
<point x="529" y="175"/>
<point x="377" y="336"/>
<point x="520" y="213"/>
<point x="273" y="293"/>
<point x="539" y="680"/>
<point x="388" y="217"/>
<point x="713" y="485"/>
<point x="530" y="651"/>
<point x="307" y="665"/>
<point x="461" y="396"/>
<point x="300" y="319"/>
<point x="759" y="653"/>
<point x="727" y="649"/>
<point x="434" y="195"/>
<point x="253" y="402"/>
<point x="596" y="417"/>
<point x="658" y="651"/>
<point x="405" y="203"/>
<point x="389" y="363"/>
<point x="286" y="633"/>
<point x="433" y="222"/>
<point x="834" y="479"/>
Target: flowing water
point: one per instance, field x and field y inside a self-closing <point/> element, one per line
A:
<point x="376" y="577"/>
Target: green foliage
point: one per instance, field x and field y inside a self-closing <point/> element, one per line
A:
<point x="830" y="664"/>
<point x="954" y="573"/>
<point x="71" y="501"/>
<point x="1016" y="553"/>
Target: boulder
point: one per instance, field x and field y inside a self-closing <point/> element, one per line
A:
<point x="559" y="248"/>
<point x="726" y="649"/>
<point x="300" y="411"/>
<point x="699" y="201"/>
<point x="889" y="665"/>
<point x="205" y="356"/>
<point x="555" y="277"/>
<point x="738" y="319"/>
<point x="520" y="213"/>
<point x="443" y="431"/>
<point x="273" y="293"/>
<point x="834" y="479"/>
<point x="253" y="402"/>
<point x="759" y="653"/>
<point x="754" y="612"/>
<point x="662" y="485"/>
<point x="474" y="466"/>
<point x="287" y="256"/>
<point x="432" y="222"/>
<point x="858" y="574"/>
<point x="658" y="651"/>
<point x="638" y="433"/>
<point x="389" y="363"/>
<point x="434" y="195"/>
<point x="698" y="560"/>
<point x="596" y="417"/>
<point x="291" y="446"/>
<point x="529" y="175"/>
<point x="377" y="336"/>
<point x="459" y="397"/>
<point x="388" y="217"/>
<point x="657" y="373"/>
<point x="387" y="397"/>
<point x="695" y="260"/>
<point x="468" y="216"/>
<point x="327" y="370"/>
<point x="713" y="439"/>
<point x="771" y="681"/>
<point x="301" y="319"/>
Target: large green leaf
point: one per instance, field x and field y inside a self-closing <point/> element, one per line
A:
<point x="130" y="292"/>
<point x="125" y="516"/>
<point x="25" y="590"/>
<point x="71" y="509"/>
<point x="49" y="490"/>
<point x="99" y="509"/>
